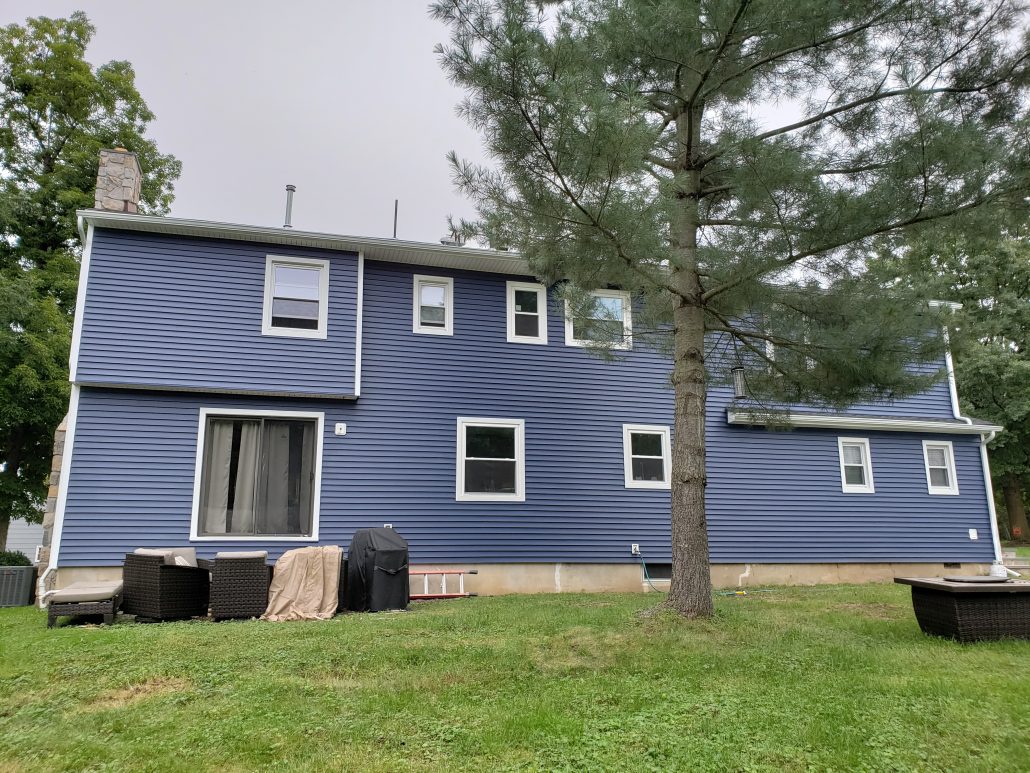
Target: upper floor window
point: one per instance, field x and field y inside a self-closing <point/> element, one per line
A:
<point x="939" y="457"/>
<point x="646" y="452"/>
<point x="296" y="297"/>
<point x="257" y="474"/>
<point x="433" y="305"/>
<point x="527" y="313"/>
<point x="606" y="321"/>
<point x="491" y="460"/>
<point x="856" y="468"/>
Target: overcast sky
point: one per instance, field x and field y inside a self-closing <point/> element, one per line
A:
<point x="345" y="100"/>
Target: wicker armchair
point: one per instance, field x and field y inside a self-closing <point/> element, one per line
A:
<point x="157" y="590"/>
<point x="239" y="585"/>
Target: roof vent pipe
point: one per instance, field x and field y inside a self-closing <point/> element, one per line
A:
<point x="289" y="205"/>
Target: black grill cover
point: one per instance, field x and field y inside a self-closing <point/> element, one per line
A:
<point x="377" y="571"/>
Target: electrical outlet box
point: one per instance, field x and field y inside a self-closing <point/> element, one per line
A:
<point x="387" y="525"/>
<point x="341" y="428"/>
<point x="973" y="534"/>
<point x="634" y="549"/>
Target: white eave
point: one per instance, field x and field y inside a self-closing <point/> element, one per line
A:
<point x="870" y="423"/>
<point x="373" y="248"/>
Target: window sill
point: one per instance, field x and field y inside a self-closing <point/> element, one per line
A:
<point x="941" y="492"/>
<point x="490" y="498"/>
<point x="652" y="485"/>
<point x="285" y="332"/>
<point x="231" y="538"/>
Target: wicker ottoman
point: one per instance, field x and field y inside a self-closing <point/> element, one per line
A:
<point x="239" y="585"/>
<point x="85" y="598"/>
<point x="969" y="612"/>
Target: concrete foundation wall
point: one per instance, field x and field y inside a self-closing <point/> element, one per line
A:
<point x="499" y="579"/>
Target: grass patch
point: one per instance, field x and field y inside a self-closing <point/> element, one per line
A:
<point x="817" y="678"/>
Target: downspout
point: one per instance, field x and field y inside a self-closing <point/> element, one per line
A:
<point x="984" y="439"/>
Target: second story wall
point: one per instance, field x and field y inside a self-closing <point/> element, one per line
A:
<point x="173" y="312"/>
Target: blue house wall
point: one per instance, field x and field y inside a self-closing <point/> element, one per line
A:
<point x="774" y="496"/>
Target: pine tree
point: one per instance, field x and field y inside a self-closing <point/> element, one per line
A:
<point x="57" y="112"/>
<point x="635" y="144"/>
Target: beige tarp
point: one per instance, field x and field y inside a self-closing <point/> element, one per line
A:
<point x="305" y="585"/>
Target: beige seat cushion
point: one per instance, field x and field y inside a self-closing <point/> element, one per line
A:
<point x="189" y="555"/>
<point x="79" y="592"/>
<point x="242" y="554"/>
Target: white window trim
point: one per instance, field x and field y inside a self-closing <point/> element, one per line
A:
<point x="867" y="459"/>
<point x="627" y="320"/>
<point x="205" y="413"/>
<point x="541" y="306"/>
<point x="416" y="319"/>
<point x="627" y="454"/>
<point x="267" y="328"/>
<point x="460" y="494"/>
<point x="952" y="489"/>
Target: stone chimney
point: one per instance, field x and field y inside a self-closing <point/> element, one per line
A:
<point x="118" y="181"/>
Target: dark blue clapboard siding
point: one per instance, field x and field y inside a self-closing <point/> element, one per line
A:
<point x="186" y="314"/>
<point x="774" y="496"/>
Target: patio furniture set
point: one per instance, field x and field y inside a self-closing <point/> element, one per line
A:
<point x="970" y="609"/>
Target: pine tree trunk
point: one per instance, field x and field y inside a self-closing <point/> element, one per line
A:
<point x="1012" y="487"/>
<point x="5" y="522"/>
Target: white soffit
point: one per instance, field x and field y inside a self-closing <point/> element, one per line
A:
<point x="388" y="250"/>
<point x="873" y="423"/>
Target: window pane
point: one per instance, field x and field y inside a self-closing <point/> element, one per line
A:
<point x="287" y="491"/>
<point x="608" y="308"/>
<point x="490" y="442"/>
<point x="527" y="325"/>
<point x="939" y="477"/>
<point x="433" y="316"/>
<point x="432" y="295"/>
<point x="854" y="476"/>
<point x="645" y="444"/>
<point x="937" y="457"/>
<point x="597" y="330"/>
<point x="648" y="469"/>
<point x="229" y="476"/>
<point x="853" y="454"/>
<point x="526" y="301"/>
<point x="490" y="477"/>
<point x="294" y="282"/>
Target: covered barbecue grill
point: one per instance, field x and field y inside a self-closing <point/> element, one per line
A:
<point x="377" y="571"/>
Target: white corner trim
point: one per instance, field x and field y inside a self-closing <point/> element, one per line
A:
<point x="80" y="301"/>
<point x="460" y="495"/>
<point x="541" y="291"/>
<point x="358" y="324"/>
<point x="627" y="456"/>
<point x="267" y="328"/>
<point x="229" y="411"/>
<point x="952" y="474"/>
<point x="867" y="464"/>
<point x="416" y="320"/>
<point x="627" y="320"/>
<point x="866" y="423"/>
<point x="66" y="471"/>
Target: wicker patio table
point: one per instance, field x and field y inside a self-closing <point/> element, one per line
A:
<point x="971" y="611"/>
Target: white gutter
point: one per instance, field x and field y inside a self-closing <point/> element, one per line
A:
<point x="870" y="423"/>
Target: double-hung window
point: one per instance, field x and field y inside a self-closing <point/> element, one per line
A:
<point x="258" y="475"/>
<point x="491" y="460"/>
<point x="939" y="457"/>
<point x="605" y="319"/>
<point x="433" y="311"/>
<point x="646" y="456"/>
<point x="527" y="313"/>
<point x="856" y="468"/>
<point x="296" y="297"/>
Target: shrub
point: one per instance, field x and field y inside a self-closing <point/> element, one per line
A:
<point x="14" y="558"/>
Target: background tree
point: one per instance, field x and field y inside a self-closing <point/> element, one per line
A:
<point x="56" y="112"/>
<point x="984" y="264"/>
<point x="731" y="162"/>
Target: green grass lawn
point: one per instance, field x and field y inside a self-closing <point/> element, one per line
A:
<point x="792" y="679"/>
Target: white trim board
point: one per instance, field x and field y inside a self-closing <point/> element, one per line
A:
<point x="358" y="324"/>
<point x="838" y="421"/>
<point x="62" y="484"/>
<point x="80" y="302"/>
<point x="204" y="413"/>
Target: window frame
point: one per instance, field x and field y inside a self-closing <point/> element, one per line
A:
<point x="541" y="291"/>
<point x="627" y="320"/>
<point x="246" y="413"/>
<point x="628" y="430"/>
<point x="267" y="328"/>
<point x="867" y="464"/>
<point x="952" y="488"/>
<point x="416" y="320"/>
<point x="519" y="425"/>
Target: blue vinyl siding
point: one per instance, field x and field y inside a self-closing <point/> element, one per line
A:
<point x="774" y="496"/>
<point x="177" y="313"/>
